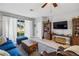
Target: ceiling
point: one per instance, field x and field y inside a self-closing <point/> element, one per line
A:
<point x="24" y="8"/>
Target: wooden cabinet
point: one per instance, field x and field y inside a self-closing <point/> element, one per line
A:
<point x="75" y="22"/>
<point x="75" y="36"/>
<point x="47" y="30"/>
<point x="75" y="40"/>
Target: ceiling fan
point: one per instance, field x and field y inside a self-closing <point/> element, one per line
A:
<point x="54" y="5"/>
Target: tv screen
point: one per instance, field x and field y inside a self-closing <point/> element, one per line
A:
<point x="60" y="25"/>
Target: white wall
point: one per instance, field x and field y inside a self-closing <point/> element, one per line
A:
<point x="38" y="27"/>
<point x="0" y="25"/>
<point x="64" y="31"/>
<point x="65" y="12"/>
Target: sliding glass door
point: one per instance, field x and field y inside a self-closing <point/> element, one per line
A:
<point x="28" y="28"/>
<point x="24" y="28"/>
<point x="13" y="28"/>
<point x="20" y="28"/>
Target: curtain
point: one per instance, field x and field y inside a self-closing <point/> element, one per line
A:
<point x="12" y="29"/>
<point x="9" y="27"/>
<point x="28" y="28"/>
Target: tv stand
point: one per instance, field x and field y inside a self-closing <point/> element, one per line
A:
<point x="62" y="35"/>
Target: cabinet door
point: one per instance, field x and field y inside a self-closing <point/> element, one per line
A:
<point x="75" y="40"/>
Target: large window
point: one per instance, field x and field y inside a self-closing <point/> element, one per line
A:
<point x="24" y="28"/>
<point x="13" y="28"/>
<point x="20" y="28"/>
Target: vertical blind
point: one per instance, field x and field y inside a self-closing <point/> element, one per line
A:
<point x="9" y="27"/>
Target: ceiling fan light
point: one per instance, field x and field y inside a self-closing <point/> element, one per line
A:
<point x="44" y="5"/>
<point x="55" y="4"/>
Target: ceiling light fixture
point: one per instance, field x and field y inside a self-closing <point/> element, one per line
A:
<point x="31" y="9"/>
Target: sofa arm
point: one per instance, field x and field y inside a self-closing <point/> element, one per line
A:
<point x="44" y="53"/>
<point x="19" y="39"/>
<point x="66" y="53"/>
<point x="60" y="48"/>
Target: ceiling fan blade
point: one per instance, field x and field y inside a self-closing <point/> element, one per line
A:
<point x="44" y="5"/>
<point x="54" y="4"/>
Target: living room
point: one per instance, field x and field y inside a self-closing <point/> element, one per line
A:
<point x="37" y="29"/>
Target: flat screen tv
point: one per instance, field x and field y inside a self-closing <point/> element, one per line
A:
<point x="60" y="25"/>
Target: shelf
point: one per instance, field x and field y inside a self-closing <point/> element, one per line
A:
<point x="47" y="30"/>
<point x="75" y="28"/>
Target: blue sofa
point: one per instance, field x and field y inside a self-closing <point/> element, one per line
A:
<point x="19" y="39"/>
<point x="11" y="48"/>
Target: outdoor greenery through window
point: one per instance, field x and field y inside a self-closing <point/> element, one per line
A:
<point x="20" y="27"/>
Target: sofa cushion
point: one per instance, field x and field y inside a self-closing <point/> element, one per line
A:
<point x="15" y="52"/>
<point x="7" y="46"/>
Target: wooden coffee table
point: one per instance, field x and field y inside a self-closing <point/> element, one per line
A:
<point x="29" y="46"/>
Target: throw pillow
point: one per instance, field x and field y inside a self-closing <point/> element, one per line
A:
<point x="60" y="40"/>
<point x="2" y="40"/>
